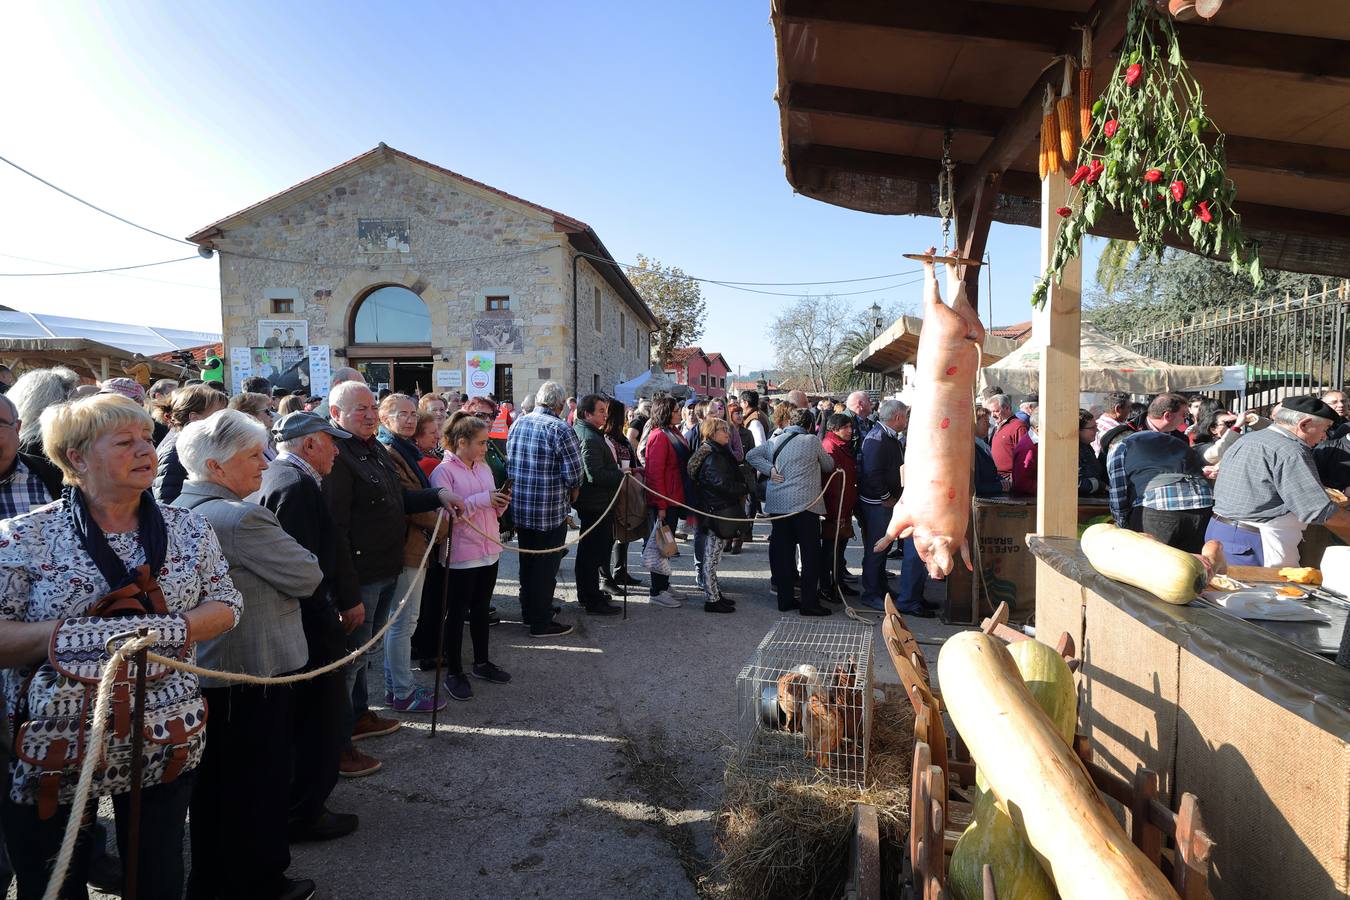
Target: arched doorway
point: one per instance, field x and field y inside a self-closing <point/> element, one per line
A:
<point x="389" y="339"/>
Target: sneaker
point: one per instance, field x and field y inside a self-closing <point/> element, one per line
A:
<point x="723" y="598"/>
<point x="610" y="585"/>
<point x="489" y="672"/>
<point x="327" y="827"/>
<point x="602" y="608"/>
<point x="666" y="599"/>
<point x="719" y="606"/>
<point x="296" y="889"/>
<point x="420" y="700"/>
<point x="458" y="686"/>
<point x="371" y="725"/>
<point x="552" y="629"/>
<point x="847" y="589"/>
<point x="355" y="764"/>
<point x="830" y="597"/>
<point x="678" y="595"/>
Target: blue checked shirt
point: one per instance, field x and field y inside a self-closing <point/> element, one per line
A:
<point x="21" y="492"/>
<point x="1190" y="493"/>
<point x="543" y="461"/>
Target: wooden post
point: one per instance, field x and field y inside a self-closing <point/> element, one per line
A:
<point x="103" y="369"/>
<point x="1056" y="329"/>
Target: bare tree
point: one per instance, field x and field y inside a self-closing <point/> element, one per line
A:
<point x="816" y="339"/>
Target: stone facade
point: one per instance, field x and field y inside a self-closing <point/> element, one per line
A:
<point x="465" y="242"/>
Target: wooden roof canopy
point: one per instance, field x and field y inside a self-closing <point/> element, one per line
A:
<point x="868" y="88"/>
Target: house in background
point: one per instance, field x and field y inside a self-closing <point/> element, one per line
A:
<point x="705" y="373"/>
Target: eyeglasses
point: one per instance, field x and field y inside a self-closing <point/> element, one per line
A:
<point x="486" y="417"/>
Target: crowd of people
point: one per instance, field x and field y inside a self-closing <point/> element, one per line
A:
<point x="284" y="531"/>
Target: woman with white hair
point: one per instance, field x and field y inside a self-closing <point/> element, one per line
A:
<point x="240" y="804"/>
<point x="34" y="392"/>
<point x="105" y="542"/>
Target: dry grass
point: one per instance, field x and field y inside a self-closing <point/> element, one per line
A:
<point x="789" y="839"/>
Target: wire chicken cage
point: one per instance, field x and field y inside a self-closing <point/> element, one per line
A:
<point x="804" y="703"/>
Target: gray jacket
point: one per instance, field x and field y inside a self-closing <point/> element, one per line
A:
<point x="803" y="465"/>
<point x="271" y="570"/>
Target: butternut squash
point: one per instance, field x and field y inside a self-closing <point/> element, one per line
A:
<point x="1165" y="572"/>
<point x="1044" y="787"/>
<point x="992" y="839"/>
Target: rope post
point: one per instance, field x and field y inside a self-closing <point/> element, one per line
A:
<point x="440" y="633"/>
<point x="132" y="862"/>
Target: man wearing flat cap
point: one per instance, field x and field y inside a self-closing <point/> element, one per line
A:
<point x="1268" y="490"/>
<point x="306" y="445"/>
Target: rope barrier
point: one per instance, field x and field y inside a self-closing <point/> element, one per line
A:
<point x="93" y="757"/>
<point x="241" y="678"/>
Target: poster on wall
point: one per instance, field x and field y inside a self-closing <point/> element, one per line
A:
<point x="480" y="365"/>
<point x="498" y="335"/>
<point x="320" y="371"/>
<point x="286" y="338"/>
<point x="449" y="378"/>
<point x="382" y="236"/>
<point x="283" y="368"/>
<point x="241" y="366"/>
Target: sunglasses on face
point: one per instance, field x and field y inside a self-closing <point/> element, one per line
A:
<point x="486" y="417"/>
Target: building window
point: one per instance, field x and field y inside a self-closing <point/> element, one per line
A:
<point x="283" y="305"/>
<point x="723" y="382"/>
<point x="597" y="310"/>
<point x="623" y="330"/>
<point x="703" y="380"/>
<point x="392" y="315"/>
<point x="506" y="390"/>
<point x="498" y="303"/>
<point x="595" y="383"/>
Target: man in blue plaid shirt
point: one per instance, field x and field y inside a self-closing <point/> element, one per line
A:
<point x="26" y="482"/>
<point x="543" y="462"/>
<point x="1157" y="481"/>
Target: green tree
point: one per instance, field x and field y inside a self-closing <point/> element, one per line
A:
<point x="677" y="302"/>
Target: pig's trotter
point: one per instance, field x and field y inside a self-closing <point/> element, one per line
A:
<point x="901" y="527"/>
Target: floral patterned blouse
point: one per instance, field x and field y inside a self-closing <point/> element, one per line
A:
<point x="45" y="574"/>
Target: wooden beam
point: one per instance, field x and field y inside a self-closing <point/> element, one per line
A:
<point x="975" y="223"/>
<point x="1000" y="24"/>
<point x="895" y="109"/>
<point x="1314" y="60"/>
<point x="1025" y="123"/>
<point x="1056" y="330"/>
<point x="1247" y="153"/>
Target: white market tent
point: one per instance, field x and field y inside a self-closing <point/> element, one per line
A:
<point x="1104" y="365"/>
<point x="18" y="325"/>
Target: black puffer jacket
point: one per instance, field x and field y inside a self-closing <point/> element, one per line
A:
<point x="717" y="475"/>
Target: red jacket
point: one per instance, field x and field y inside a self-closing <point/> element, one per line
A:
<point x="1024" y="466"/>
<point x="847" y="485"/>
<point x="663" y="470"/>
<point x="1004" y="441"/>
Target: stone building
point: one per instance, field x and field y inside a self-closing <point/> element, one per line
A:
<point x="402" y="269"/>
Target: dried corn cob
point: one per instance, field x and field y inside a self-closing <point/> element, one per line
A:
<point x="1085" y="85"/>
<point x="1049" y="155"/>
<point x="1065" y="113"/>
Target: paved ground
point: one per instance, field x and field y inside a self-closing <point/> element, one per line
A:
<point x="597" y="772"/>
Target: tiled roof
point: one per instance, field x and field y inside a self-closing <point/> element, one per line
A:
<point x="681" y="355"/>
<point x="1017" y="332"/>
<point x="199" y="353"/>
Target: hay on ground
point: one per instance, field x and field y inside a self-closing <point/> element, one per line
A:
<point x="785" y="839"/>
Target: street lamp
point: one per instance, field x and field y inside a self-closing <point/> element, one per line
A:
<point x="875" y="310"/>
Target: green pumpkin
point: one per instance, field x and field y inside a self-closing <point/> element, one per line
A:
<point x="992" y="838"/>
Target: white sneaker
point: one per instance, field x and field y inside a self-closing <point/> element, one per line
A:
<point x="667" y="599"/>
<point x="678" y="595"/>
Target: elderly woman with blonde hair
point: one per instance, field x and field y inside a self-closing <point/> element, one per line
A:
<point x="106" y="539"/>
<point x="240" y="804"/>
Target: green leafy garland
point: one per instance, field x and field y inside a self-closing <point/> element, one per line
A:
<point x="1146" y="158"/>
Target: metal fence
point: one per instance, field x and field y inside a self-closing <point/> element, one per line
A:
<point x="1290" y="346"/>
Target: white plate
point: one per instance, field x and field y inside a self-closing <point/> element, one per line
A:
<point x="1265" y="605"/>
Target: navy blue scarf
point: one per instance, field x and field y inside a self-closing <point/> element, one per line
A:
<point x="154" y="537"/>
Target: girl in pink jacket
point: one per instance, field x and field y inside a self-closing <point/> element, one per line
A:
<point x="472" y="567"/>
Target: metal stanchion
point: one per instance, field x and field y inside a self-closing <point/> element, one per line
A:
<point x="440" y="632"/>
<point x="132" y="863"/>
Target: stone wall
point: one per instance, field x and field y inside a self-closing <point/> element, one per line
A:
<point x="463" y="243"/>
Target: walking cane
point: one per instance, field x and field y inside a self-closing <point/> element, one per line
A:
<point x="440" y="632"/>
<point x="132" y="862"/>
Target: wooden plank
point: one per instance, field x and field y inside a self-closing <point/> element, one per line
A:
<point x="975" y="222"/>
<point x="895" y="109"/>
<point x="1311" y="60"/>
<point x="1056" y="329"/>
<point x="991" y="24"/>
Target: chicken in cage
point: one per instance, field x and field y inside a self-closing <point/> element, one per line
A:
<point x="805" y="702"/>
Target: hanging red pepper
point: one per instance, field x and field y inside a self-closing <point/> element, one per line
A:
<point x="1144" y="204"/>
<point x="1202" y="211"/>
<point x="1153" y="176"/>
<point x="1133" y="74"/>
<point x="1095" y="171"/>
<point x="1081" y="173"/>
<point x="1064" y="211"/>
<point x="1110" y="128"/>
<point x="1178" y="189"/>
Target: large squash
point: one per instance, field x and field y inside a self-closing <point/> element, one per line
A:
<point x="1165" y="572"/>
<point x="1050" y="682"/>
<point x="993" y="839"/>
<point x="1044" y="787"/>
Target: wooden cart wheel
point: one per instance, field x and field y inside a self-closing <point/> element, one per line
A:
<point x="864" y="860"/>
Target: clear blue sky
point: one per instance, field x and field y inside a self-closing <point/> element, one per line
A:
<point x="656" y="125"/>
